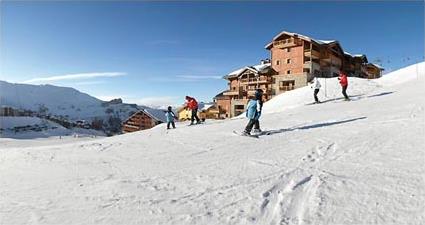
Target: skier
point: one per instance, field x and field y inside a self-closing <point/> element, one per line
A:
<point x="253" y="113"/>
<point x="170" y="118"/>
<point x="192" y="104"/>
<point x="316" y="85"/>
<point x="344" y="83"/>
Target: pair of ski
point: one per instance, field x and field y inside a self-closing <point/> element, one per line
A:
<point x="256" y="135"/>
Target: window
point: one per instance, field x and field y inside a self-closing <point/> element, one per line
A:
<point x="277" y="62"/>
<point x="234" y="88"/>
<point x="288" y="72"/>
<point x="288" y="61"/>
<point x="239" y="107"/>
<point x="287" y="85"/>
<point x="288" y="50"/>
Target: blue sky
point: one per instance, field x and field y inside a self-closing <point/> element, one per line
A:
<point x="158" y="52"/>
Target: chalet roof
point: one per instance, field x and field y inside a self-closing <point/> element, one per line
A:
<point x="377" y="66"/>
<point x="362" y="56"/>
<point x="156" y="114"/>
<point x="206" y="106"/>
<point x="306" y="38"/>
<point x="260" y="68"/>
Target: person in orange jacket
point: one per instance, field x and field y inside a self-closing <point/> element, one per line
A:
<point x="192" y="104"/>
<point x="344" y="84"/>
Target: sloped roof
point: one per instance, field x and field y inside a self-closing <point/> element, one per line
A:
<point x="377" y="66"/>
<point x="156" y="114"/>
<point x="306" y="38"/>
<point x="206" y="106"/>
<point x="256" y="69"/>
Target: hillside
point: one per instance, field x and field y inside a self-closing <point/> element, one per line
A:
<point x="65" y="102"/>
<point x="357" y="162"/>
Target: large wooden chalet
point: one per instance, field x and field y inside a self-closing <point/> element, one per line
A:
<point x="143" y="119"/>
<point x="295" y="60"/>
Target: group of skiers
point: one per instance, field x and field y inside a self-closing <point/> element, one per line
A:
<point x="342" y="80"/>
<point x="191" y="104"/>
<point x="254" y="106"/>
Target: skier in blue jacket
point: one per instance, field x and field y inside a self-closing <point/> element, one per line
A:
<point x="170" y="118"/>
<point x="253" y="113"/>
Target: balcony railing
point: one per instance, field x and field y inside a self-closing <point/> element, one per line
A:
<point x="256" y="80"/>
<point x="287" y="43"/>
<point x="313" y="54"/>
<point x="286" y="88"/>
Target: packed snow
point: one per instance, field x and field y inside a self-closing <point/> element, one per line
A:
<point x="340" y="162"/>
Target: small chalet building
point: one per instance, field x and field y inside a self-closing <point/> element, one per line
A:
<point x="295" y="60"/>
<point x="205" y="111"/>
<point x="143" y="119"/>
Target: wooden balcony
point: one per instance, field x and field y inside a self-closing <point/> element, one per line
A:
<point x="312" y="54"/>
<point x="286" y="88"/>
<point x="261" y="80"/>
<point x="231" y="93"/>
<point x="286" y="43"/>
<point x="310" y="64"/>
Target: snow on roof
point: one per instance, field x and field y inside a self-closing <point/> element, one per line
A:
<point x="325" y="41"/>
<point x="205" y="106"/>
<point x="156" y="114"/>
<point x="321" y="42"/>
<point x="380" y="67"/>
<point x="255" y="68"/>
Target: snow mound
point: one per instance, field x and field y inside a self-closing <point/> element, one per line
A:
<point x="331" y="89"/>
<point x="403" y="75"/>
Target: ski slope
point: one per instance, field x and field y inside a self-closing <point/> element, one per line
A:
<point x="357" y="162"/>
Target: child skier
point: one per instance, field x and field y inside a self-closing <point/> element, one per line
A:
<point x="316" y="85"/>
<point x="170" y="118"/>
<point x="344" y="84"/>
<point x="253" y="113"/>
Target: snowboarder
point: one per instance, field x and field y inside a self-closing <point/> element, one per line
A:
<point x="170" y="118"/>
<point x="344" y="83"/>
<point x="192" y="104"/>
<point x="316" y="85"/>
<point x="253" y="113"/>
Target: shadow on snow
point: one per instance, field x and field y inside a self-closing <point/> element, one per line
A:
<point x="318" y="125"/>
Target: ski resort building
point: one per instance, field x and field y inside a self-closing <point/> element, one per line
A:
<point x="143" y="119"/>
<point x="294" y="61"/>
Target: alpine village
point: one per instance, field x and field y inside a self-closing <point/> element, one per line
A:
<point x="295" y="60"/>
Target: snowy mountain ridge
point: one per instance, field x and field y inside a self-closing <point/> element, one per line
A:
<point x="66" y="102"/>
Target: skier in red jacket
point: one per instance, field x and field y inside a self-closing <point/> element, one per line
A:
<point x="192" y="104"/>
<point x="344" y="83"/>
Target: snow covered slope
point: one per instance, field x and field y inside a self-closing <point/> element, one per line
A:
<point x="357" y="162"/>
<point x="60" y="101"/>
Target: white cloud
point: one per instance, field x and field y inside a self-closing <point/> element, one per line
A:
<point x="77" y="76"/>
<point x="90" y="82"/>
